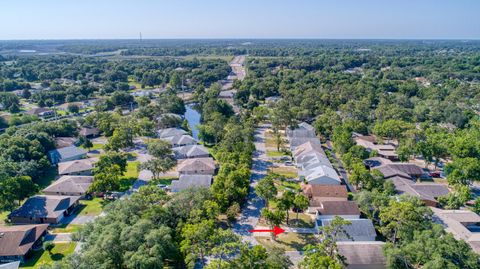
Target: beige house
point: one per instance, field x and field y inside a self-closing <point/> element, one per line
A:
<point x="200" y="166"/>
<point x="81" y="167"/>
<point x="70" y="186"/>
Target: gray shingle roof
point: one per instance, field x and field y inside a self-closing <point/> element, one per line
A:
<point x="10" y="265"/>
<point x="363" y="253"/>
<point x="425" y="191"/>
<point x="406" y="170"/>
<point x="197" y="164"/>
<point x="359" y="227"/>
<point x="168" y="132"/>
<point x="191" y="151"/>
<point x="67" y="152"/>
<point x="70" y="184"/>
<point x="45" y="206"/>
<point x="191" y="181"/>
<point x="76" y="166"/>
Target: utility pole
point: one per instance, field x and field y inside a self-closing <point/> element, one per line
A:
<point x="140" y="37"/>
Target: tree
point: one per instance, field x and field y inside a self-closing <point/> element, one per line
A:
<point x="110" y="159"/>
<point x="224" y="244"/>
<point x="300" y="203"/>
<point x="85" y="142"/>
<point x="463" y="171"/>
<point x="286" y="202"/>
<point x="273" y="217"/>
<point x="432" y="248"/>
<point x="14" y="189"/>
<point x="402" y="217"/>
<point x="393" y="128"/>
<point x="107" y="180"/>
<point x="48" y="246"/>
<point x="122" y="138"/>
<point x="342" y="139"/>
<point x="159" y="148"/>
<point x="158" y="166"/>
<point x="72" y="108"/>
<point x="266" y="189"/>
<point x="196" y="241"/>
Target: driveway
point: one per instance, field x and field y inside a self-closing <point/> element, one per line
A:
<point x="59" y="237"/>
<point x="77" y="219"/>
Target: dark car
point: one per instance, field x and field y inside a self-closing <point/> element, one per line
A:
<point x="434" y="174"/>
<point x="371" y="163"/>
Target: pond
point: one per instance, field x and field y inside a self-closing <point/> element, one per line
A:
<point x="193" y="118"/>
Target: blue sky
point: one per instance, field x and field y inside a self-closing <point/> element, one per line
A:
<point x="109" y="19"/>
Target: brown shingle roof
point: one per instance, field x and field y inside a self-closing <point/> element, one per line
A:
<point x="405" y="170"/>
<point x="313" y="191"/>
<point x="85" y="131"/>
<point x="191" y="165"/>
<point x="338" y="208"/>
<point x="18" y="239"/>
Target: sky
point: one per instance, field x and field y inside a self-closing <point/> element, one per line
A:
<point x="156" y="19"/>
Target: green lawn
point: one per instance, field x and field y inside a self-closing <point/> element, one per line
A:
<point x="274" y="153"/>
<point x="3" y="217"/>
<point x="132" y="170"/>
<point x="96" y="146"/>
<point x="288" y="241"/>
<point x="60" y="251"/>
<point x="304" y="220"/>
<point x="163" y="181"/>
<point x="92" y="207"/>
<point x="66" y="228"/>
<point x="282" y="185"/>
<point x="289" y="172"/>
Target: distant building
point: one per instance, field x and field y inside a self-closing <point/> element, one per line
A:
<point x="197" y="166"/>
<point x="70" y="186"/>
<point x="369" y="142"/>
<point x="191" y="181"/>
<point x="81" y="167"/>
<point x="66" y="154"/>
<point x="44" y="209"/>
<point x="89" y="132"/>
<point x="191" y="151"/>
<point x="17" y="241"/>
<point x="181" y="140"/>
<point x="63" y="142"/>
<point x="169" y="132"/>
<point x="41" y="112"/>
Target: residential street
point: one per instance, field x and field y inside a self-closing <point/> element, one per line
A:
<point x="251" y="211"/>
<point x="341" y="169"/>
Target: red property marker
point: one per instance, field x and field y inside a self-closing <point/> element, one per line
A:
<point x="276" y="231"/>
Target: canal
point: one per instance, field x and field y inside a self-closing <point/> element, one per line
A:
<point x="193" y="118"/>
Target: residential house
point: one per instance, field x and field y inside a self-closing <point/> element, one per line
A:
<point x="88" y="132"/>
<point x="191" y="181"/>
<point x="41" y="112"/>
<point x="191" y="151"/>
<point x="370" y="143"/>
<point x="169" y="132"/>
<point x="358" y="230"/>
<point x="16" y="241"/>
<point x="197" y="166"/>
<point x="427" y="192"/>
<point x="66" y="154"/>
<point x="302" y="130"/>
<point x="312" y="160"/>
<point x="402" y="170"/>
<point x="330" y="209"/>
<point x="463" y="224"/>
<point x="308" y="148"/>
<point x="181" y="140"/>
<point x="69" y="186"/>
<point x="44" y="209"/>
<point x="63" y="142"/>
<point x="363" y="255"/>
<point x="321" y="193"/>
<point x="321" y="175"/>
<point x="82" y="167"/>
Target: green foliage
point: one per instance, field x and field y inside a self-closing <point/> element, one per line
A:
<point x="48" y="246"/>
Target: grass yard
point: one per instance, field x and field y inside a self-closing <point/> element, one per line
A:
<point x="132" y="170"/>
<point x="304" y="220"/>
<point x="66" y="228"/>
<point x="92" y="207"/>
<point x="96" y="146"/>
<point x="289" y="172"/>
<point x="164" y="181"/>
<point x="288" y="241"/>
<point x="282" y="185"/>
<point x="274" y="153"/>
<point x="3" y="217"/>
<point x="60" y="251"/>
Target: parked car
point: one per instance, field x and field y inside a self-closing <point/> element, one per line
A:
<point x="112" y="196"/>
<point x="371" y="163"/>
<point x="288" y="163"/>
<point x="434" y="174"/>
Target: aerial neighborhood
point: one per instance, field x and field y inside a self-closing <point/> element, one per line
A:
<point x="238" y="153"/>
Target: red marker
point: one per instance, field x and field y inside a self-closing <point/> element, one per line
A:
<point x="276" y="231"/>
